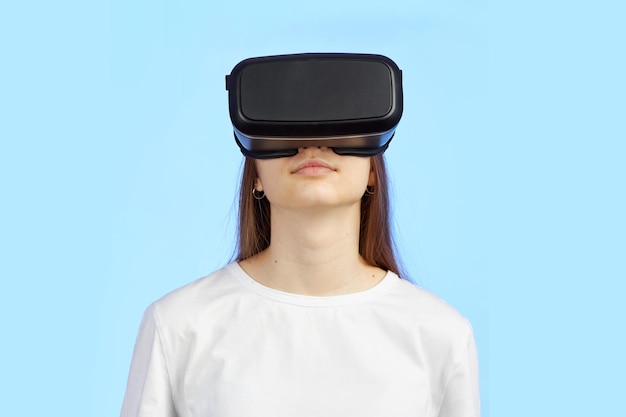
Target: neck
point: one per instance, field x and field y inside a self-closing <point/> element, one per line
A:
<point x="314" y="254"/>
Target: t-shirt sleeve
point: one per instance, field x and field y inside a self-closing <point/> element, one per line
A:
<point x="148" y="392"/>
<point x="462" y="397"/>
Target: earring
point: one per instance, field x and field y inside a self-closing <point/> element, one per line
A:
<point x="369" y="190"/>
<point x="259" y="195"/>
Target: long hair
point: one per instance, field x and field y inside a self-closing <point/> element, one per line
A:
<point x="376" y="244"/>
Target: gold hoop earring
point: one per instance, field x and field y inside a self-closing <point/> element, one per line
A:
<point x="259" y="195"/>
<point x="369" y="190"/>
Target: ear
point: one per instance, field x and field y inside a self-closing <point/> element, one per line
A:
<point x="371" y="180"/>
<point x="257" y="185"/>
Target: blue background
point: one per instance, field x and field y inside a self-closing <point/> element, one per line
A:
<point x="118" y="174"/>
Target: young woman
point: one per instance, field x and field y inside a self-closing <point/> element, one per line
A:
<point x="312" y="319"/>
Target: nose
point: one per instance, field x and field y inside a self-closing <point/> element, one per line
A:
<point x="313" y="149"/>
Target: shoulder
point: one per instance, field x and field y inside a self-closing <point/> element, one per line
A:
<point x="195" y="299"/>
<point x="429" y="314"/>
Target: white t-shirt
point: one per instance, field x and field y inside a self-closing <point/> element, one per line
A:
<point x="227" y="346"/>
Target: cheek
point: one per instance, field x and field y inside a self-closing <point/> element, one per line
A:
<point x="354" y="180"/>
<point x="362" y="174"/>
<point x="267" y="170"/>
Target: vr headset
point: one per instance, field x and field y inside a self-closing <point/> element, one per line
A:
<point x="351" y="103"/>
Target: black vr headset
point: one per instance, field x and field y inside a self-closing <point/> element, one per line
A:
<point x="351" y="103"/>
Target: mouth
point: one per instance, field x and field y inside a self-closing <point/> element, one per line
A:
<point x="313" y="167"/>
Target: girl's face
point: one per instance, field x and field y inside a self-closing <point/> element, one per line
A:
<point x="314" y="178"/>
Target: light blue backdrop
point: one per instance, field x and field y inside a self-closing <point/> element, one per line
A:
<point x="118" y="174"/>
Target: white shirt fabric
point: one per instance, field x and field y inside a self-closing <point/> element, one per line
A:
<point x="227" y="346"/>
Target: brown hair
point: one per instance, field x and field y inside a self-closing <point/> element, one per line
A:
<point x="375" y="241"/>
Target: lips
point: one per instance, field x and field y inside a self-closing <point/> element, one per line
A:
<point x="313" y="166"/>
